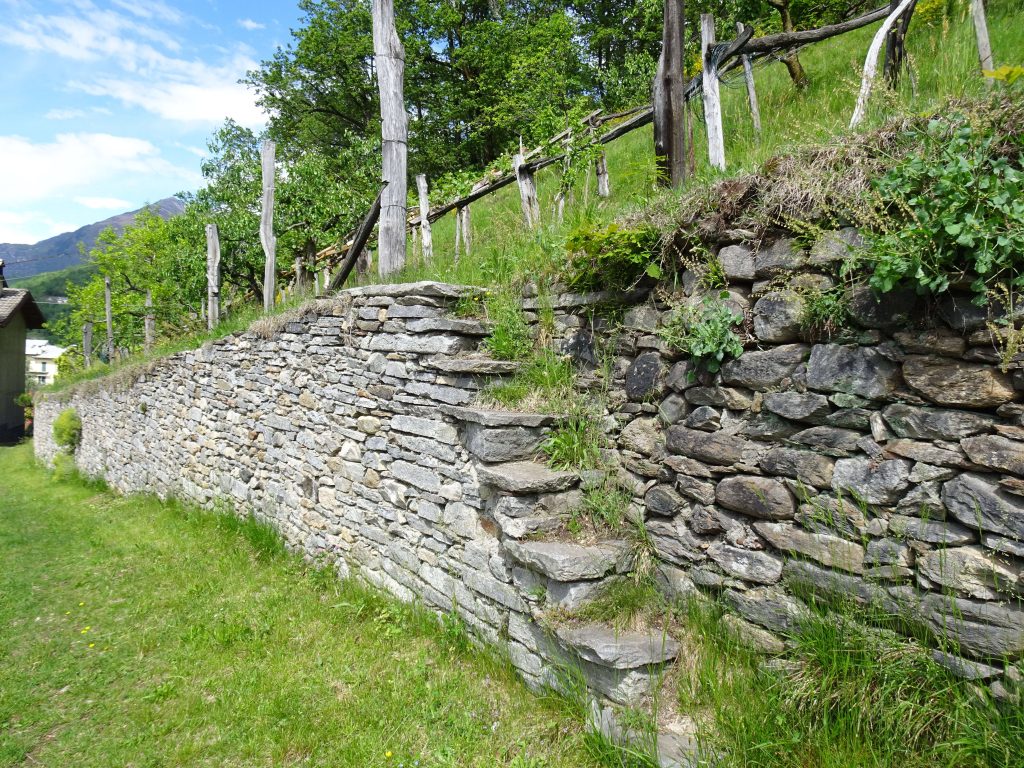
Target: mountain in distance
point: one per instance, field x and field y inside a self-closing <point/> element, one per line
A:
<point x="61" y="251"/>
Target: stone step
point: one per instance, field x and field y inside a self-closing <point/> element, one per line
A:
<point x="525" y="477"/>
<point x="471" y="364"/>
<point x="521" y="516"/>
<point x="561" y="561"/>
<point x="606" y="646"/>
<point x="674" y="745"/>
<point x="491" y="417"/>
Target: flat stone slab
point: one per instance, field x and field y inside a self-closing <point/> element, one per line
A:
<point x="488" y="417"/>
<point x="521" y="477"/>
<point x="422" y="288"/>
<point x="608" y="647"/>
<point x="567" y="562"/>
<point x="484" y="366"/>
<point x="466" y="327"/>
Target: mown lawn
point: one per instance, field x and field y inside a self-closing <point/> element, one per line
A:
<point x="136" y="633"/>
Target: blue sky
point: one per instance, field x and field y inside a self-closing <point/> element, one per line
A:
<point x="106" y="105"/>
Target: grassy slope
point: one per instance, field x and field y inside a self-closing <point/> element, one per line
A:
<point x="139" y="633"/>
<point x="945" y="66"/>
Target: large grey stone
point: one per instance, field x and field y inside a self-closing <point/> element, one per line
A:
<point x="609" y="647"/>
<point x="769" y="607"/>
<point x="645" y="377"/>
<point x="760" y="497"/>
<point x="782" y="256"/>
<point x="828" y="438"/>
<point x="777" y="317"/>
<point x="873" y="482"/>
<point x="958" y="383"/>
<point x="979" y="503"/>
<point x="927" y="453"/>
<point x="643" y="436"/>
<point x="835" y="246"/>
<point x="761" y="370"/>
<point x="522" y="477"/>
<point x="996" y="452"/>
<point x="798" y="406"/>
<point x="758" y="567"/>
<point x="931" y="531"/>
<point x="808" y="467"/>
<point x="432" y="428"/>
<point x="472" y="365"/>
<point x="673" y="541"/>
<point x="831" y="585"/>
<point x="980" y="628"/>
<point x="860" y="371"/>
<point x="464" y="326"/>
<point x="737" y="262"/>
<point x="413" y="474"/>
<point x="710" y="447"/>
<point x="826" y="549"/>
<point x="663" y="501"/>
<point x="934" y="423"/>
<point x="566" y="562"/>
<point x="870" y="309"/>
<point x="490" y="417"/>
<point x="970" y="571"/>
<point x="497" y="444"/>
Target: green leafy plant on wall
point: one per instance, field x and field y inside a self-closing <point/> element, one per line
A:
<point x="706" y="333"/>
<point x="67" y="430"/>
<point x="611" y="257"/>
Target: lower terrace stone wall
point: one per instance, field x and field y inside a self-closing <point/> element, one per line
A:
<point x="887" y="470"/>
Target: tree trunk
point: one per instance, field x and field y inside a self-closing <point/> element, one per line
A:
<point x="981" y="33"/>
<point x="87" y="343"/>
<point x="108" y="313"/>
<point x="871" y="62"/>
<point x="791" y="60"/>
<point x="748" y="76"/>
<point x="895" y="44"/>
<point x="389" y="57"/>
<point x="148" y="323"/>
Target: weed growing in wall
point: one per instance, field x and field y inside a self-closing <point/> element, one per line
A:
<point x="510" y="337"/>
<point x="67" y="430"/>
<point x="706" y="333"/>
<point x="575" y="444"/>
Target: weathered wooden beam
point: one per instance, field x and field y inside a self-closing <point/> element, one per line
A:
<point x="527" y="191"/>
<point x="148" y="323"/>
<point x="981" y="34"/>
<point x="359" y="240"/>
<point x="871" y="63"/>
<point x="108" y="313"/>
<point x="785" y="40"/>
<point x="213" y="277"/>
<point x="748" y="76"/>
<point x="670" y="99"/>
<point x="389" y="57"/>
<point x="87" y="343"/>
<point x="267" y="238"/>
<point x="425" y="233"/>
<point x="712" y="97"/>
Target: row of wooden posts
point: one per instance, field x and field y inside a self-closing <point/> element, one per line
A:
<point x="668" y="91"/>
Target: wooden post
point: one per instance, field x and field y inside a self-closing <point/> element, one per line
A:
<point x="871" y="63"/>
<point x="458" y="232"/>
<point x="389" y="57"/>
<point x="87" y="343"/>
<point x="604" y="187"/>
<point x="148" y="322"/>
<point x="669" y="100"/>
<point x="527" y="191"/>
<point x="427" y="236"/>
<point x="712" y="99"/>
<point x="748" y="75"/>
<point x="981" y="33"/>
<point x="267" y="227"/>
<point x="213" y="277"/>
<point x="316" y="284"/>
<point x="109" y="314"/>
<point x="415" y="246"/>
<point x="464" y="226"/>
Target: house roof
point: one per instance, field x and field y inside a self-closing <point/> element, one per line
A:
<point x="41" y="348"/>
<point x="14" y="299"/>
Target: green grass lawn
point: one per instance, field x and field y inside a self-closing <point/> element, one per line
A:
<point x="139" y="633"/>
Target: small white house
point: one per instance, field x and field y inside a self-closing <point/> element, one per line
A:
<point x="41" y="361"/>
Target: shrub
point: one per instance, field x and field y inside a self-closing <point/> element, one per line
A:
<point x="958" y="210"/>
<point x="706" y="333"/>
<point x="611" y="258"/>
<point x="67" y="430"/>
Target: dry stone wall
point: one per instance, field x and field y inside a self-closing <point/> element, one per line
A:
<point x="886" y="470"/>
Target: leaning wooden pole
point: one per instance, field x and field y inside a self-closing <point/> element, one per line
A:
<point x="389" y="57"/>
<point x="712" y="98"/>
<point x="359" y="240"/>
<point x="213" y="276"/>
<point x="748" y="76"/>
<point x="108" y="312"/>
<point x="267" y="227"/>
<point x="871" y="62"/>
<point x="981" y="33"/>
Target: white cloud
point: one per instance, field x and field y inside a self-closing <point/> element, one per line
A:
<point x="105" y="203"/>
<point x="152" y="9"/>
<point x="65" y="114"/>
<point x="150" y="76"/>
<point x="250" y="25"/>
<point x="78" y="162"/>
